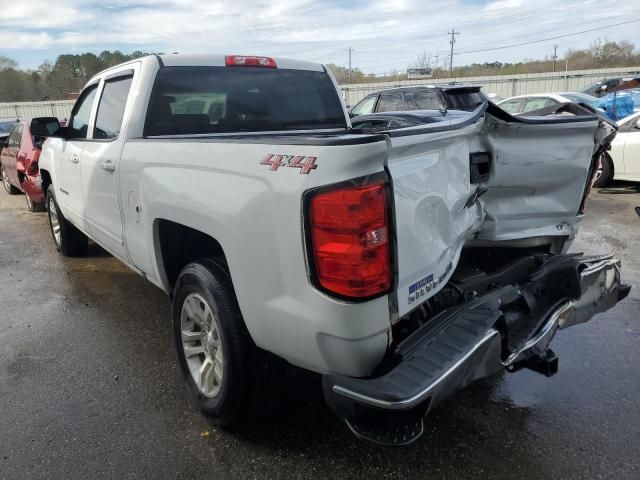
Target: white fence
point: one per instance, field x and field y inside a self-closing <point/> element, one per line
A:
<point x="52" y="108"/>
<point x="502" y="85"/>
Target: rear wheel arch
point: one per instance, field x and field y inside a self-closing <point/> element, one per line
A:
<point x="176" y="245"/>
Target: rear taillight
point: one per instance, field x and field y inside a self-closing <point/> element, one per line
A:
<point x="244" y="61"/>
<point x="349" y="239"/>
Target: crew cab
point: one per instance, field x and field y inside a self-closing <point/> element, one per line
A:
<point x="399" y="265"/>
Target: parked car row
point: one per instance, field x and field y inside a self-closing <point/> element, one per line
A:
<point x="528" y="103"/>
<point x="411" y="106"/>
<point x="622" y="161"/>
<point x="607" y="85"/>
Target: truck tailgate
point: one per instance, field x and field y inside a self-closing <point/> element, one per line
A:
<point x="527" y="180"/>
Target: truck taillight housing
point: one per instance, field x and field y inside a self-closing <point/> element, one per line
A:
<point x="348" y="236"/>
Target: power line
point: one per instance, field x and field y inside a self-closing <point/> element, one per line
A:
<point x="548" y="38"/>
<point x="461" y="52"/>
<point x="491" y="23"/>
<point x="503" y="47"/>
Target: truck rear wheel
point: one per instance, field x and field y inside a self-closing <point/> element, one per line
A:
<point x="69" y="241"/>
<point x="229" y="377"/>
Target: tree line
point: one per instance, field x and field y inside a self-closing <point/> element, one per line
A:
<point x="55" y="81"/>
<point x="602" y="53"/>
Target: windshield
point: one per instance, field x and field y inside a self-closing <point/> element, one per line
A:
<point x="592" y="86"/>
<point x="200" y="100"/>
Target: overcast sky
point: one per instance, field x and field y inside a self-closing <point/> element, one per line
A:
<point x="385" y="34"/>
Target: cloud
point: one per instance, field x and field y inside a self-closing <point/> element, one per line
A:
<point x="385" y="34"/>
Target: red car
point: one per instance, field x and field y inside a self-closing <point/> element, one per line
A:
<point x="19" y="159"/>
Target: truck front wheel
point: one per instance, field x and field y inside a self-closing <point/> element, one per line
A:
<point x="229" y="377"/>
<point x="69" y="241"/>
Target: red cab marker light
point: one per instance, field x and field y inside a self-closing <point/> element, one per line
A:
<point x="244" y="61"/>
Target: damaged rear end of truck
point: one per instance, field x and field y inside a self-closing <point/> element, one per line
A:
<point x="482" y="212"/>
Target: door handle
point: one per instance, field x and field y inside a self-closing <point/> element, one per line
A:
<point x="75" y="159"/>
<point x="107" y="166"/>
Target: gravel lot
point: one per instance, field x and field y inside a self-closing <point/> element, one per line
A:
<point x="89" y="386"/>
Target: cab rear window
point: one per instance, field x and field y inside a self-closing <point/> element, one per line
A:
<point x="200" y="100"/>
<point x="463" y="100"/>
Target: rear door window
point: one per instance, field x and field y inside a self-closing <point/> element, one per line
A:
<point x="512" y="106"/>
<point x="111" y="108"/>
<point x="200" y="100"/>
<point x="14" y="137"/>
<point x="427" y="100"/>
<point x="391" y="102"/>
<point x="538" y="103"/>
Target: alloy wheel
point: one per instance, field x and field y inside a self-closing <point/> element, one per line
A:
<point x="5" y="180"/>
<point x="202" y="345"/>
<point x="54" y="220"/>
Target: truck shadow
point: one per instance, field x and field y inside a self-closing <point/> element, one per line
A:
<point x="96" y="251"/>
<point x="303" y="423"/>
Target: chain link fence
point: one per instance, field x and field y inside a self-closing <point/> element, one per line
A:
<point x="20" y="110"/>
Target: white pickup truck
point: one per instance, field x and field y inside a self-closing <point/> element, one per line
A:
<point x="400" y="265"/>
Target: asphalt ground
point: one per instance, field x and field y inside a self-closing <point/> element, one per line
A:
<point x="90" y="388"/>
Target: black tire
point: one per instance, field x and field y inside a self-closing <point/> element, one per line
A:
<point x="10" y="189"/>
<point x="33" y="206"/>
<point x="252" y="377"/>
<point x="71" y="241"/>
<point x="606" y="164"/>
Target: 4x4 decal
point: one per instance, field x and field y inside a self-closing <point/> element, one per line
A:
<point x="305" y="164"/>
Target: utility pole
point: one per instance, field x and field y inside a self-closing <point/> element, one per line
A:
<point x="350" y="50"/>
<point x="555" y="56"/>
<point x="453" y="34"/>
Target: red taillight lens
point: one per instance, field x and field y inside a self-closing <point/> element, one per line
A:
<point x="244" y="61"/>
<point x="350" y="240"/>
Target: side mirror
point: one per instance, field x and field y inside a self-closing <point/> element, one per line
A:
<point x="44" y="126"/>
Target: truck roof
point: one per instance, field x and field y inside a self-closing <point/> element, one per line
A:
<point x="209" y="60"/>
<point x="218" y="60"/>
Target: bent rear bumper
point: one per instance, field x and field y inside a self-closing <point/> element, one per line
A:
<point x="511" y="327"/>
